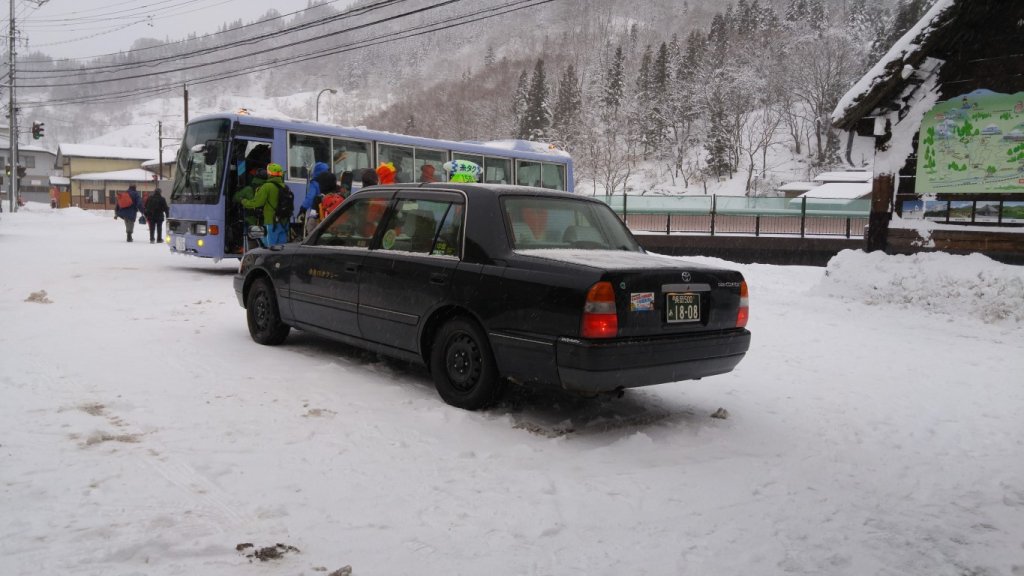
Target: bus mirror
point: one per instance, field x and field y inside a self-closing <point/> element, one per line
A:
<point x="199" y="148"/>
<point x="256" y="232"/>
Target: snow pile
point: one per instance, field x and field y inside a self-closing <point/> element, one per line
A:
<point x="963" y="287"/>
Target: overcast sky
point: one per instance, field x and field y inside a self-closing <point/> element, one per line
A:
<point x="88" y="28"/>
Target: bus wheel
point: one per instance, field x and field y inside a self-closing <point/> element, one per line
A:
<point x="264" y="318"/>
<point x="463" y="366"/>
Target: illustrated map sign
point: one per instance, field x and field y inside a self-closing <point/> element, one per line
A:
<point x="972" y="144"/>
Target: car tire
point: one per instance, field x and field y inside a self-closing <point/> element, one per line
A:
<point x="463" y="367"/>
<point x="263" y="316"/>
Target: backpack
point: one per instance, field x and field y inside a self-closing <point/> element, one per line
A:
<point x="330" y="202"/>
<point x="285" y="203"/>
<point x="124" y="200"/>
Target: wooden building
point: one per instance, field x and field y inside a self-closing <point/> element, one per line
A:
<point x="98" y="190"/>
<point x="84" y="159"/>
<point x="946" y="109"/>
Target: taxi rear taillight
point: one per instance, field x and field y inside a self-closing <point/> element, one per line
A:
<point x="599" y="317"/>
<point x="744" y="312"/>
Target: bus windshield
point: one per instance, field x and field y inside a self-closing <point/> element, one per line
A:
<point x="199" y="173"/>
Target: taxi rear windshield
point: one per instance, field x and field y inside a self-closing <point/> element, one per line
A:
<point x="537" y="223"/>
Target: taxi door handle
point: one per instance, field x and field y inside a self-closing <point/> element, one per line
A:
<point x="353" y="268"/>
<point x="438" y="278"/>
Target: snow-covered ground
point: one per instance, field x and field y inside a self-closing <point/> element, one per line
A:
<point x="875" y="428"/>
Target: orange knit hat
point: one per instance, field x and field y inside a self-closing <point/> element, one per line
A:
<point x="386" y="173"/>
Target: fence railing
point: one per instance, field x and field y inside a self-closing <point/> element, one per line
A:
<point x="742" y="215"/>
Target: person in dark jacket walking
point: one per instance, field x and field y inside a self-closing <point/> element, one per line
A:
<point x="129" y="204"/>
<point x="156" y="209"/>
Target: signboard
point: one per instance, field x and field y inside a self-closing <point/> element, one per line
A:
<point x="972" y="144"/>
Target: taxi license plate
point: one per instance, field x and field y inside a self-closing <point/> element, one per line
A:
<point x="179" y="243"/>
<point x="682" y="307"/>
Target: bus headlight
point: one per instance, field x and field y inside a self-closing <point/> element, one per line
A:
<point x="199" y="230"/>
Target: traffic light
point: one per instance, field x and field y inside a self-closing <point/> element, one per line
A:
<point x="37" y="130"/>
<point x="7" y="170"/>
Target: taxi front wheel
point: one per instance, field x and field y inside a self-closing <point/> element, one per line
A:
<point x="263" y="316"/>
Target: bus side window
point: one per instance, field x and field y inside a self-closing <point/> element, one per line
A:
<point x="350" y="156"/>
<point x="304" y="151"/>
<point x="553" y="176"/>
<point x="497" y="170"/>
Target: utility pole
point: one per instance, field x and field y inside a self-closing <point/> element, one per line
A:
<point x="13" y="114"/>
<point x="160" y="144"/>
<point x="185" y="88"/>
<point x="13" y="106"/>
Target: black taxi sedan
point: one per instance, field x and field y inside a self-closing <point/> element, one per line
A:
<point x="488" y="284"/>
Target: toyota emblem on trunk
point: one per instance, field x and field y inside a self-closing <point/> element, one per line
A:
<point x="686" y="276"/>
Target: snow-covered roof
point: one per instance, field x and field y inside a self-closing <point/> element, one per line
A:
<point x="60" y="181"/>
<point x="170" y="154"/>
<point x="26" y="148"/>
<point x="156" y="161"/>
<point x="899" y="60"/>
<point x="797" y="186"/>
<point x="133" y="175"/>
<point x="851" y="176"/>
<point x="839" y="191"/>
<point x="118" y="152"/>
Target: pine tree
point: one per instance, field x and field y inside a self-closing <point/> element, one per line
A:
<point x="857" y="18"/>
<point x="489" y="57"/>
<point x="536" y="118"/>
<point x="718" y="144"/>
<point x="718" y="40"/>
<point x="643" y="112"/>
<point x="768" y="21"/>
<point x="518" y="106"/>
<point x="568" y="112"/>
<point x="675" y="53"/>
<point x="796" y="11"/>
<point x="816" y="16"/>
<point x="746" y="23"/>
<point x="693" y="58"/>
<point x="659" y="93"/>
<point x="908" y="12"/>
<point x="613" y="85"/>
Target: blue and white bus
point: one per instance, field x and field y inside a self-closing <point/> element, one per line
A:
<point x="215" y="149"/>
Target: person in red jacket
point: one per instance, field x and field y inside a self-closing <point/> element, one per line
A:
<point x="129" y="204"/>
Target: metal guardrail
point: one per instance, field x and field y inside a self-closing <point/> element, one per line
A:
<point x="742" y="215"/>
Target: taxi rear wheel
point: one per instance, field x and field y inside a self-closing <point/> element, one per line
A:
<point x="463" y="367"/>
<point x="263" y="316"/>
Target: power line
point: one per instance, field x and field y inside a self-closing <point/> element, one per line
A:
<point x="147" y="19"/>
<point x="43" y="22"/>
<point x="188" y="40"/>
<point x="108" y="68"/>
<point x="244" y="42"/>
<point x="385" y="38"/>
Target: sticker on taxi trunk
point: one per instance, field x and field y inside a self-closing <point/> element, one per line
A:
<point x="641" y="302"/>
